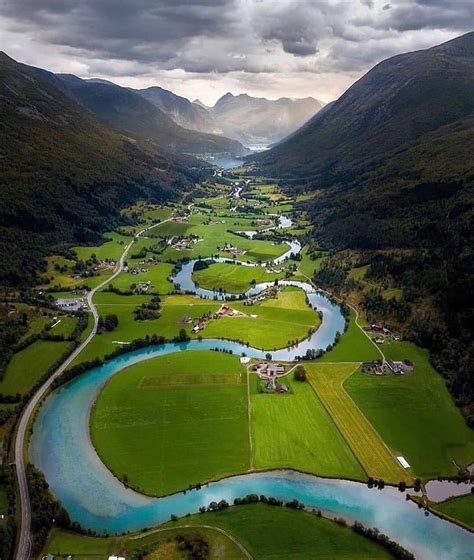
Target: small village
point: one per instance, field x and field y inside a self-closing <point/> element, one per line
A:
<point x="388" y="367"/>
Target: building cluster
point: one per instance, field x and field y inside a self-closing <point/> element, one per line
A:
<point x="386" y="367"/>
<point x="269" y="293"/>
<point x="269" y="373"/>
<point x="228" y="248"/>
<point x="70" y="304"/>
<point x="183" y="243"/>
<point x="382" y="332"/>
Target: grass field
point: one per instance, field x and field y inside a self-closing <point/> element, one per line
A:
<point x="164" y="435"/>
<point x="65" y="327"/>
<point x="274" y="533"/>
<point x="415" y="414"/>
<point x="295" y="430"/>
<point x="111" y="249"/>
<point x="267" y="533"/>
<point x="278" y="321"/>
<point x="354" y="346"/>
<point x="157" y="275"/>
<point x="377" y="460"/>
<point x="27" y="367"/>
<point x="232" y="278"/>
<point x="461" y="508"/>
<point x="307" y="266"/>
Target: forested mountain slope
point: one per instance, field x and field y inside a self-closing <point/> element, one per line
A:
<point x="392" y="161"/>
<point x="64" y="175"/>
<point x="126" y="110"/>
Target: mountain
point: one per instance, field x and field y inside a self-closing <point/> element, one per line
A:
<point x="65" y="175"/>
<point x="392" y="162"/>
<point x="126" y="110"/>
<point x="201" y="104"/>
<point x="254" y="120"/>
<point x="194" y="116"/>
<point x="393" y="108"/>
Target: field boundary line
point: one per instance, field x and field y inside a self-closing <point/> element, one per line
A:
<point x="338" y="428"/>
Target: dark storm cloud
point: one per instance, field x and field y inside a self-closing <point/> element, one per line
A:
<point x="288" y="41"/>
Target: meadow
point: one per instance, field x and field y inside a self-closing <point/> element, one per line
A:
<point x="29" y="365"/>
<point x="157" y="274"/>
<point x="354" y="346"/>
<point x="460" y="508"/>
<point x="295" y="431"/>
<point x="232" y="278"/>
<point x="414" y="414"/>
<point x="277" y="321"/>
<point x="375" y="457"/>
<point x="192" y="429"/>
<point x="266" y="532"/>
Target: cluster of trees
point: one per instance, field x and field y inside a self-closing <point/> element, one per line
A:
<point x="107" y="323"/>
<point x="149" y="310"/>
<point x="45" y="509"/>
<point x="375" y="535"/>
<point x="300" y="373"/>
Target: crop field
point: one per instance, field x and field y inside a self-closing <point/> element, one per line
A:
<point x="65" y="327"/>
<point x="294" y="430"/>
<point x="234" y="279"/>
<point x="27" y="366"/>
<point x="375" y="457"/>
<point x="415" y="414"/>
<point x="188" y="432"/>
<point x="354" y="346"/>
<point x="461" y="508"/>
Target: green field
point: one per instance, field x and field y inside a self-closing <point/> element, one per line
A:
<point x="369" y="448"/>
<point x="415" y="414"/>
<point x="354" y="346"/>
<point x="65" y="327"/>
<point x="110" y="249"/>
<point x="29" y="365"/>
<point x="295" y="431"/>
<point x="232" y="278"/>
<point x="157" y="275"/>
<point x="265" y="532"/>
<point x="277" y="321"/>
<point x="461" y="508"/>
<point x="163" y="435"/>
<point x="274" y="533"/>
<point x="307" y="266"/>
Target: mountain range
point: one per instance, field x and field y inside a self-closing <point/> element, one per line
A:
<point x="250" y="120"/>
<point x="65" y="173"/>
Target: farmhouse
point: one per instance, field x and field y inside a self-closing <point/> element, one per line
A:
<point x="228" y="248"/>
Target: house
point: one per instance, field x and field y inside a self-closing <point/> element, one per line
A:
<point x="281" y="388"/>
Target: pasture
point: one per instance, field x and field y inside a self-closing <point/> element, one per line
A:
<point x="414" y="414"/>
<point x="295" y="431"/>
<point x="232" y="278"/>
<point x="157" y="274"/>
<point x="29" y="365"/>
<point x="354" y="346"/>
<point x="375" y="457"/>
<point x="160" y="435"/>
<point x="460" y="508"/>
<point x="266" y="532"/>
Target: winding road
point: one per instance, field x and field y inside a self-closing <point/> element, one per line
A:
<point x="24" y="541"/>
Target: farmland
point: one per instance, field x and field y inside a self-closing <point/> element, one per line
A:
<point x="414" y="414"/>
<point x="191" y="412"/>
<point x="295" y="430"/>
<point x="377" y="460"/>
<point x="460" y="508"/>
<point x="232" y="278"/>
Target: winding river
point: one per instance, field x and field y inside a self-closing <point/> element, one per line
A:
<point x="61" y="448"/>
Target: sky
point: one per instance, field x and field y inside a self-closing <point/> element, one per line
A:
<point x="205" y="48"/>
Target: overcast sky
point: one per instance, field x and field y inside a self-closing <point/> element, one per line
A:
<point x="204" y="48"/>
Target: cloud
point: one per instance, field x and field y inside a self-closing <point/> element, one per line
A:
<point x="298" y="47"/>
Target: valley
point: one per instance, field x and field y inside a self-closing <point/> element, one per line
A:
<point x="162" y="409"/>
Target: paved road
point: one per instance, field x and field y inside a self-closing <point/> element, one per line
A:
<point x="24" y="541"/>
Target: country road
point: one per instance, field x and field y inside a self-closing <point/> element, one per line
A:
<point x="24" y="541"/>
